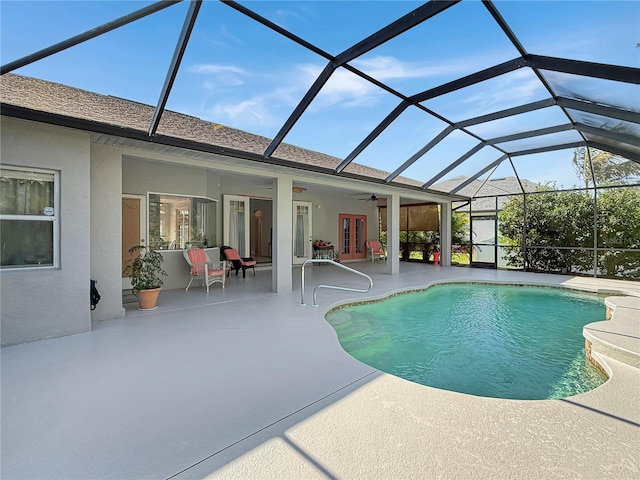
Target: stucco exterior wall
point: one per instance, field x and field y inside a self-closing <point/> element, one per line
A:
<point x="50" y="302"/>
<point x="106" y="230"/>
<point x="141" y="176"/>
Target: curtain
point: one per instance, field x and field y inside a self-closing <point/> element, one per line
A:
<point x="24" y="196"/>
<point x="236" y="226"/>
<point x="233" y="229"/>
<point x="301" y="245"/>
<point x="240" y="232"/>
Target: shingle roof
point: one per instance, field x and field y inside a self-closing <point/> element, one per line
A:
<point x="55" y="98"/>
<point x="491" y="188"/>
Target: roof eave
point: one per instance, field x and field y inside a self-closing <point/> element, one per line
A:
<point x="141" y="135"/>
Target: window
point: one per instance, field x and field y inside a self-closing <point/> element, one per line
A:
<point x="28" y="218"/>
<point x="177" y="222"/>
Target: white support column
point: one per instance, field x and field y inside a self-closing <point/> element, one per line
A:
<point x="282" y="241"/>
<point x="393" y="234"/>
<point x="445" y="234"/>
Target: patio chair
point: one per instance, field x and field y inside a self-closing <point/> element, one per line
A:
<point x="202" y="267"/>
<point x="376" y="250"/>
<point x="238" y="262"/>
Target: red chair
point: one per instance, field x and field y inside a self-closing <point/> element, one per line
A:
<point x="376" y="250"/>
<point x="238" y="262"/>
<point x="202" y="267"/>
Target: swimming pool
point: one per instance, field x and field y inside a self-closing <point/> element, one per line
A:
<point x="504" y="341"/>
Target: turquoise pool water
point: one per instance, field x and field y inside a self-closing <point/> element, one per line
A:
<point x="499" y="341"/>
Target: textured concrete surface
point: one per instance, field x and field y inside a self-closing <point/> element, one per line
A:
<point x="242" y="383"/>
<point x="618" y="337"/>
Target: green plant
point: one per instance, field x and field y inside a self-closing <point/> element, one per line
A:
<point x="145" y="269"/>
<point x="556" y="220"/>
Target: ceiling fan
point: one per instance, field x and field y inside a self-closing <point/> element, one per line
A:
<point x="373" y="198"/>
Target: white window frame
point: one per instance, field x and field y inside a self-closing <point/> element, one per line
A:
<point x="55" y="218"/>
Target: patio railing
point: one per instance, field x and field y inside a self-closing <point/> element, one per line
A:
<point x="334" y="287"/>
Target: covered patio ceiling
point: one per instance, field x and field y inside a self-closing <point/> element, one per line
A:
<point x="514" y="99"/>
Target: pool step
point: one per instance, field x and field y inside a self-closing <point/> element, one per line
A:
<point x="618" y="337"/>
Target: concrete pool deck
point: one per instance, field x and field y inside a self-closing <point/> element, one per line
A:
<point x="242" y="383"/>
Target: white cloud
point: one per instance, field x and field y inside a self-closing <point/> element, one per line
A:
<point x="251" y="114"/>
<point x="385" y="68"/>
<point x="213" y="68"/>
<point x="221" y="39"/>
<point x="284" y="16"/>
<point x="220" y="75"/>
<point x="520" y="86"/>
<point x="342" y="88"/>
<point x="264" y="100"/>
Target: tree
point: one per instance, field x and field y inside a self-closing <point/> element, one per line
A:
<point x="619" y="227"/>
<point x="558" y="219"/>
<point x="609" y="169"/>
<point x="459" y="228"/>
<point x="565" y="219"/>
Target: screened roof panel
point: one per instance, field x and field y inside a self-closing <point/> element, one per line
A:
<point x="346" y="107"/>
<point x="618" y="146"/>
<point x="403" y="138"/>
<point x="501" y="180"/>
<point x="560" y="138"/>
<point x="118" y="70"/>
<point x="606" y="123"/>
<point x="254" y="92"/>
<point x="416" y="60"/>
<point x="618" y="131"/>
<point x="452" y="147"/>
<point x="470" y="167"/>
<point x="554" y="169"/>
<point x="524" y="122"/>
<point x="566" y="29"/>
<point x="605" y="92"/>
<point x="81" y="16"/>
<point x="614" y="170"/>
<point x="348" y="22"/>
<point x="499" y="93"/>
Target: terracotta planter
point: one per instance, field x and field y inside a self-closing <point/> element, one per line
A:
<point x="147" y="299"/>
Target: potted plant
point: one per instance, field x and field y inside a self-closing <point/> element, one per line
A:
<point x="144" y="271"/>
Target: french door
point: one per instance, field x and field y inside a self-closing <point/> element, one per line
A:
<point x="353" y="236"/>
<point x="237" y="223"/>
<point x="302" y="243"/>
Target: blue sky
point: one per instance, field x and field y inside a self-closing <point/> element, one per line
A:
<point x="240" y="74"/>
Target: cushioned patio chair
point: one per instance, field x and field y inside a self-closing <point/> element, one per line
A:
<point x="202" y="267"/>
<point x="376" y="250"/>
<point x="238" y="262"/>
